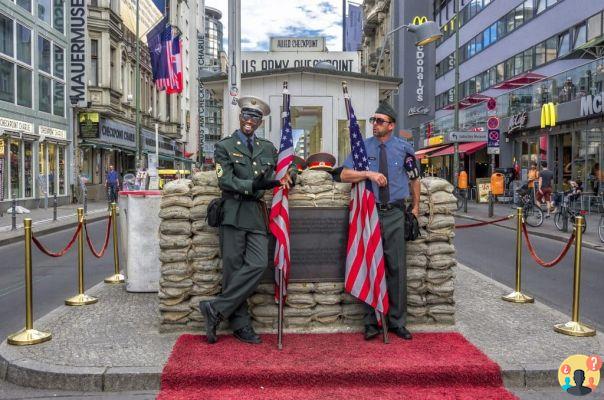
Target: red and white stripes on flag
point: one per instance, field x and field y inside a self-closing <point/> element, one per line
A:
<point x="365" y="268"/>
<point x="279" y="217"/>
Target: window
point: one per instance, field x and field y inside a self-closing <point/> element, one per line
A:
<point x="43" y="54"/>
<point x="493" y="33"/>
<point x="528" y="10"/>
<point x="478" y="41"/>
<point x="551" y="49"/>
<point x="580" y="35"/>
<point x="25" y="4"/>
<point x="519" y="16"/>
<point x="94" y="60"/>
<point x="509" y="68"/>
<point x="510" y="21"/>
<point x="59" y="63"/>
<point x="501" y="28"/>
<point x="564" y="41"/>
<point x="540" y="54"/>
<point x="24" y="87"/>
<point x="44" y="91"/>
<point x="58" y="20"/>
<point x="23" y="44"/>
<point x="518" y="63"/>
<point x="500" y="74"/>
<point x="528" y="59"/>
<point x="541" y="5"/>
<point x="6" y="35"/>
<point x="594" y="26"/>
<point x="7" y="81"/>
<point x="58" y="99"/>
<point x="44" y="10"/>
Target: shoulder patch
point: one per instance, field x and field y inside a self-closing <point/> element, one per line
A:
<point x="219" y="170"/>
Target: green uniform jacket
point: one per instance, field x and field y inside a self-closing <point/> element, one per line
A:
<point x="236" y="169"/>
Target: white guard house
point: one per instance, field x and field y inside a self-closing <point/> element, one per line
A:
<point x="319" y="120"/>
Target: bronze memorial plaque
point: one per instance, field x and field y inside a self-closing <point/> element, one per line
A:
<point x="318" y="240"/>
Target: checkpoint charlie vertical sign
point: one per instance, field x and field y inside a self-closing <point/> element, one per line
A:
<point x="77" y="50"/>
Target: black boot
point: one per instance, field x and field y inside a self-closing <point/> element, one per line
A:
<point x="402" y="332"/>
<point x="247" y="335"/>
<point x="212" y="318"/>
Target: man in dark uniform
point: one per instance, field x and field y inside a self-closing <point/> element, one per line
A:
<point x="394" y="173"/>
<point x="245" y="165"/>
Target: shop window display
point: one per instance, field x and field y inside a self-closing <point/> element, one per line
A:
<point x="62" y="166"/>
<point x="15" y="170"/>
<point x="52" y="168"/>
<point x="28" y="176"/>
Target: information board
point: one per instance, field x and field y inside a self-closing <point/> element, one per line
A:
<point x="483" y="185"/>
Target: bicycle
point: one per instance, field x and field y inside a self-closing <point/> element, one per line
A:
<point x="533" y="215"/>
<point x="565" y="212"/>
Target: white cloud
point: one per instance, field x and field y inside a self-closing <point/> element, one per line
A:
<point x="261" y="19"/>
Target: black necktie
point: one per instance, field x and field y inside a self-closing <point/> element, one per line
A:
<point x="384" y="191"/>
<point x="250" y="146"/>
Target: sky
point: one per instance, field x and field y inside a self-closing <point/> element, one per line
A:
<point x="261" y="19"/>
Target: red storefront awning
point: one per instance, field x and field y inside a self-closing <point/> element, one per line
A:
<point x="468" y="101"/>
<point x="421" y="153"/>
<point x="520" y="80"/>
<point x="466" y="148"/>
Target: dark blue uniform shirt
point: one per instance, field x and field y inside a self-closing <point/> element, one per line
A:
<point x="396" y="151"/>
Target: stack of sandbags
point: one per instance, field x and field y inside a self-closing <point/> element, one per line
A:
<point x="437" y="228"/>
<point x="204" y="261"/>
<point x="174" y="242"/>
<point x="317" y="189"/>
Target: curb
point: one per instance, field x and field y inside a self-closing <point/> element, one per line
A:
<point x="48" y="230"/>
<point x="587" y="245"/>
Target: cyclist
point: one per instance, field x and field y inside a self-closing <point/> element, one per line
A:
<point x="545" y="188"/>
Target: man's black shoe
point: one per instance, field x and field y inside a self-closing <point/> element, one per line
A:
<point x="212" y="320"/>
<point x="247" y="335"/>
<point x="371" y="331"/>
<point x="402" y="332"/>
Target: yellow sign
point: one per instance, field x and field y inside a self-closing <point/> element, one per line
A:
<point x="424" y="160"/>
<point x="92" y="117"/>
<point x="419" y="20"/>
<point x="434" y="140"/>
<point x="548" y="115"/>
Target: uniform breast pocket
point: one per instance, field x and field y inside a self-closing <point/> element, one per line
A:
<point x="268" y="164"/>
<point x="241" y="167"/>
<point x="395" y="165"/>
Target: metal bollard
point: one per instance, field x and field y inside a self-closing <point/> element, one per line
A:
<point x="14" y="215"/>
<point x="465" y="201"/>
<point x="85" y="202"/>
<point x="517" y="296"/>
<point x="574" y="327"/>
<point x="81" y="299"/>
<point x="28" y="335"/>
<point x="54" y="207"/>
<point x="116" y="277"/>
<point x="490" y="204"/>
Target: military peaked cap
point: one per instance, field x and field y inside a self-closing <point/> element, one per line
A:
<point x="254" y="105"/>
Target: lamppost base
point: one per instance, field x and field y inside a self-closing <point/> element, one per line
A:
<point x="518" y="297"/>
<point x="115" y="278"/>
<point x="573" y="328"/>
<point x="80" y="300"/>
<point x="26" y="337"/>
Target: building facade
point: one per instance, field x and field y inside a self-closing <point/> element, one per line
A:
<point x="35" y="140"/>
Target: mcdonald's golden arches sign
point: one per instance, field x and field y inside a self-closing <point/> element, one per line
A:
<point x="419" y="20"/>
<point x="548" y="115"/>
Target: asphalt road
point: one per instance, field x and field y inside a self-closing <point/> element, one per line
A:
<point x="491" y="250"/>
<point x="54" y="279"/>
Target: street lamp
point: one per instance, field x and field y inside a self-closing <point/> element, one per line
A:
<point x="425" y="33"/>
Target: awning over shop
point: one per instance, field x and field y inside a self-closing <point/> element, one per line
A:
<point x="421" y="153"/>
<point x="520" y="80"/>
<point x="465" y="148"/>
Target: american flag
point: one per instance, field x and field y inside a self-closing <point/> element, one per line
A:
<point x="365" y="270"/>
<point x="279" y="224"/>
<point x="175" y="66"/>
<point x="164" y="77"/>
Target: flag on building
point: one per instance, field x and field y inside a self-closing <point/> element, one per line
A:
<point x="365" y="269"/>
<point x="161" y="54"/>
<point x="155" y="45"/>
<point x="175" y="66"/>
<point x="279" y="217"/>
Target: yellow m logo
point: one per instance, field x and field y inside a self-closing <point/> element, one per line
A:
<point x="548" y="115"/>
<point x="419" y="20"/>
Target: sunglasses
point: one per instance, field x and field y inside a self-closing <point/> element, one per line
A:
<point x="250" y="117"/>
<point x="374" y="120"/>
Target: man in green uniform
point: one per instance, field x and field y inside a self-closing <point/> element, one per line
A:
<point x="245" y="166"/>
<point x="394" y="173"/>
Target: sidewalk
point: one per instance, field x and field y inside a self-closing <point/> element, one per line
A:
<point x="480" y="212"/>
<point x="114" y="345"/>
<point x="42" y="220"/>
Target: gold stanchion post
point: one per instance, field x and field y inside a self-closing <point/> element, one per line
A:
<point x="116" y="277"/>
<point x="28" y="335"/>
<point x="517" y="296"/>
<point x="81" y="299"/>
<point x="574" y="327"/>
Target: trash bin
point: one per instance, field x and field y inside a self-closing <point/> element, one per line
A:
<point x="139" y="242"/>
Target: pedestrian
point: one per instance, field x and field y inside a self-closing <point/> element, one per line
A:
<point x="533" y="176"/>
<point x="545" y="188"/>
<point x="112" y="183"/>
<point x="245" y="165"/>
<point x="394" y="173"/>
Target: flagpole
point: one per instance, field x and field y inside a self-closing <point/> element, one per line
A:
<point x="137" y="132"/>
<point x="380" y="314"/>
<point x="281" y="280"/>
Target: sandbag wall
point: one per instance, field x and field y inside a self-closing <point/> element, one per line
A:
<point x="191" y="265"/>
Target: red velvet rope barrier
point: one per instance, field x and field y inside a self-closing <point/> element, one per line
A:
<point x="62" y="252"/>
<point x="98" y="254"/>
<point x="537" y="259"/>
<point x="483" y="223"/>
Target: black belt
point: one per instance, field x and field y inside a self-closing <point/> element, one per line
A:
<point x="238" y="196"/>
<point x="400" y="204"/>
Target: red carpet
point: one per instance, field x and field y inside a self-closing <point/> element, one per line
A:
<point x="331" y="366"/>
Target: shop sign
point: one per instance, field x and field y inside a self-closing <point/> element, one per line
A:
<point x="114" y="132"/>
<point x="298" y="44"/>
<point x="548" y="115"/>
<point x="467" y="136"/>
<point x="89" y="125"/>
<point x="49" y="132"/>
<point x="166" y="146"/>
<point x="592" y="104"/>
<point x="517" y="121"/>
<point x="434" y="140"/>
<point x="483" y="186"/>
<point x="16" y="126"/>
<point x="420" y="110"/>
<point x="77" y="50"/>
<point x="252" y="61"/>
